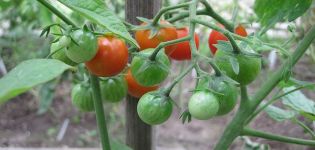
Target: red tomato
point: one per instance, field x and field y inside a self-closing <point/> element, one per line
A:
<point x="216" y="36"/>
<point x="182" y="50"/>
<point x="111" y="57"/>
<point x="163" y="34"/>
<point x="134" y="88"/>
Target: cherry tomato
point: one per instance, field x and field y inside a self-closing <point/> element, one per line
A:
<point x="203" y="105"/>
<point x="60" y="54"/>
<point x="154" y="108"/>
<point x="81" y="96"/>
<point x="86" y="48"/>
<point x="216" y="36"/>
<point x="111" y="57"/>
<point x="148" y="72"/>
<point x="163" y="34"/>
<point x="227" y="96"/>
<point x="113" y="89"/>
<point x="182" y="50"/>
<point x="134" y="88"/>
<point x="249" y="66"/>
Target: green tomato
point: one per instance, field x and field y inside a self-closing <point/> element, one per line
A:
<point x="86" y="48"/>
<point x="113" y="89"/>
<point x="227" y="96"/>
<point x="60" y="54"/>
<point x="249" y="67"/>
<point x="154" y="108"/>
<point x="147" y="72"/>
<point x="203" y="105"/>
<point x="81" y="96"/>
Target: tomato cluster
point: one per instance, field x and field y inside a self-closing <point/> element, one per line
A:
<point x="107" y="57"/>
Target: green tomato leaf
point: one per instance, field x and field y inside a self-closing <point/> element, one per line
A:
<point x="235" y="65"/>
<point x="279" y="114"/>
<point x="295" y="82"/>
<point x="224" y="45"/>
<point x="29" y="74"/>
<point x="298" y="101"/>
<point x="270" y="12"/>
<point x="95" y="11"/>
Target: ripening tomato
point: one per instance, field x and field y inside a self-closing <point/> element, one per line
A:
<point x="84" y="48"/>
<point x="81" y="95"/>
<point x="182" y="50"/>
<point x="111" y="57"/>
<point x="249" y="66"/>
<point x="203" y="105"/>
<point x="154" y="108"/>
<point x="134" y="88"/>
<point x="163" y="34"/>
<point x="216" y="36"/>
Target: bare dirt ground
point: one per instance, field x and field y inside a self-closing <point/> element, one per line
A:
<point x="20" y="126"/>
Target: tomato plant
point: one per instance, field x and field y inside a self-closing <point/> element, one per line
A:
<point x="60" y="54"/>
<point x="216" y="36"/>
<point x="163" y="34"/>
<point x="134" y="88"/>
<point x="81" y="96"/>
<point x="113" y="89"/>
<point x="154" y="108"/>
<point x="84" y="46"/>
<point x="148" y="72"/>
<point x="182" y="50"/>
<point x="111" y="57"/>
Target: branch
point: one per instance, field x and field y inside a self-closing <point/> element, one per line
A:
<point x="255" y="133"/>
<point x="165" y="9"/>
<point x="183" y="15"/>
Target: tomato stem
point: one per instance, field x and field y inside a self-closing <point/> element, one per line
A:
<point x="165" y="9"/>
<point x="251" y="132"/>
<point x="213" y="65"/>
<point x="236" y="48"/>
<point x="217" y="17"/>
<point x="99" y="110"/>
<point x="179" y="78"/>
<point x="184" y="15"/>
<point x="167" y="43"/>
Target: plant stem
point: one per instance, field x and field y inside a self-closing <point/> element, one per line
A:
<point x="99" y="110"/>
<point x="192" y="15"/>
<point x="217" y="17"/>
<point x="244" y="95"/>
<point x="165" y="9"/>
<point x="178" y="78"/>
<point x="255" y="133"/>
<point x="57" y="12"/>
<point x="167" y="43"/>
<point x="183" y="15"/>
<point x="213" y="65"/>
<point x="305" y="127"/>
<point x="236" y="49"/>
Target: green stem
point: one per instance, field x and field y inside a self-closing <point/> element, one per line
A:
<point x="213" y="65"/>
<point x="57" y="12"/>
<point x="99" y="110"/>
<point x="305" y="127"/>
<point x="255" y="133"/>
<point x="165" y="9"/>
<point x="183" y="15"/>
<point x="236" y="49"/>
<point x="244" y="94"/>
<point x="179" y="78"/>
<point x="217" y="17"/>
<point x="192" y="15"/>
<point x="167" y="43"/>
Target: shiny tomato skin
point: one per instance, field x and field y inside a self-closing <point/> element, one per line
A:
<point x="164" y="34"/>
<point x="113" y="89"/>
<point x="134" y="88"/>
<point x="216" y="36"/>
<point x="203" y="105"/>
<point x="182" y="50"/>
<point x="111" y="57"/>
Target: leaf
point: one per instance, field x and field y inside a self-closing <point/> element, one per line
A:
<point x="185" y="116"/>
<point x="46" y="95"/>
<point x="96" y="11"/>
<point x="295" y="82"/>
<point x="116" y="145"/>
<point x="278" y="114"/>
<point x="270" y="12"/>
<point x="234" y="64"/>
<point x="224" y="45"/>
<point x="298" y="101"/>
<point x="29" y="74"/>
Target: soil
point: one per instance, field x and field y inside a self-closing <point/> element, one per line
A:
<point x="21" y="126"/>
